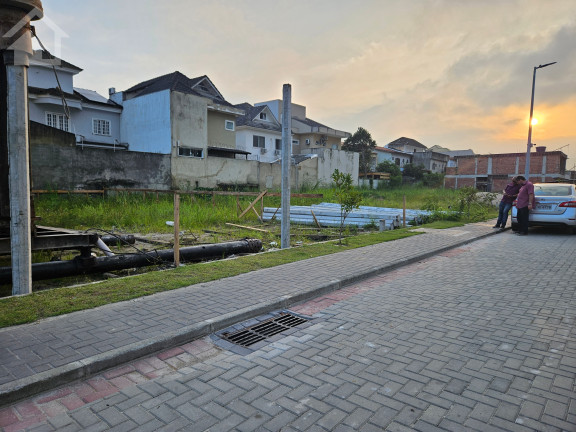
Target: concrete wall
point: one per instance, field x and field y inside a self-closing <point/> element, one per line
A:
<point x="329" y="160"/>
<point x="189" y="117"/>
<point x="58" y="163"/>
<point x="189" y="173"/>
<point x="145" y="123"/>
<point x="218" y="135"/>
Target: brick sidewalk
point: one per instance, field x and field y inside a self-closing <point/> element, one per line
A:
<point x="40" y="356"/>
<point x="458" y="341"/>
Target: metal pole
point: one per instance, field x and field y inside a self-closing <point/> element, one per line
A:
<point x="529" y="144"/>
<point x="286" y="160"/>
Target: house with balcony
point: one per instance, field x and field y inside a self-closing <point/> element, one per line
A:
<point x="308" y="136"/>
<point x="55" y="102"/>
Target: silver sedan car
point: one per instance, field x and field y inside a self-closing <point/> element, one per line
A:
<point x="555" y="205"/>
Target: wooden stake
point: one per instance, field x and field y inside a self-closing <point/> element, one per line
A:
<point x="247" y="227"/>
<point x="315" y="220"/>
<point x="176" y="230"/>
<point x="252" y="205"/>
<point x="404" y="213"/>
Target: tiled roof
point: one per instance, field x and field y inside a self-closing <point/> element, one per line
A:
<point x="389" y="150"/>
<point x="177" y="81"/>
<point x="250" y="116"/>
<point x="311" y="122"/>
<point x="45" y="57"/>
<point x="406" y="141"/>
<point x="52" y="92"/>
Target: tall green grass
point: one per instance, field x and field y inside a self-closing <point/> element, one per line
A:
<point x="135" y="213"/>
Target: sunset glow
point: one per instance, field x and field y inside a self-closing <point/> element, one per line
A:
<point x="459" y="75"/>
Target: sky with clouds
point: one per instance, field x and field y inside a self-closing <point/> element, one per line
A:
<point x="456" y="73"/>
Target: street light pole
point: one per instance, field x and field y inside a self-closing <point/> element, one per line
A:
<point x="529" y="144"/>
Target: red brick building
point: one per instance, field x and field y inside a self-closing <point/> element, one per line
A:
<point x="492" y="172"/>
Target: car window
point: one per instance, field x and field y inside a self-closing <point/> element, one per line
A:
<point x="552" y="190"/>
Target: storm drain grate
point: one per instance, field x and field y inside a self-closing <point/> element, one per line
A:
<point x="265" y="329"/>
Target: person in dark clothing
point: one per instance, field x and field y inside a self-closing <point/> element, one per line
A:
<point x="509" y="194"/>
<point x="524" y="204"/>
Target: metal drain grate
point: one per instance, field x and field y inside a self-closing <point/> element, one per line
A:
<point x="264" y="330"/>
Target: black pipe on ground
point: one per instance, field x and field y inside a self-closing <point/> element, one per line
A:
<point x="90" y="265"/>
<point x="113" y="240"/>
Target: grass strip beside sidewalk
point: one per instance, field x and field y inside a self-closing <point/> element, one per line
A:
<point x="59" y="301"/>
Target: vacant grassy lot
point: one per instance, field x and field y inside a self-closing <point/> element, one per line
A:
<point x="204" y="220"/>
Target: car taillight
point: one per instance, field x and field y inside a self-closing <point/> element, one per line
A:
<point x="568" y="204"/>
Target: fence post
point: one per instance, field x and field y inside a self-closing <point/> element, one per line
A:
<point x="176" y="230"/>
<point x="404" y="213"/>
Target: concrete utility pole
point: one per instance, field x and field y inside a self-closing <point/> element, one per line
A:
<point x="286" y="161"/>
<point x="15" y="53"/>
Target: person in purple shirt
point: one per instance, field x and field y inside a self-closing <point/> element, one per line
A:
<point x="508" y="196"/>
<point x="524" y="204"/>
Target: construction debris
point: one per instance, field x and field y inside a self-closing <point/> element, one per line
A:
<point x="328" y="214"/>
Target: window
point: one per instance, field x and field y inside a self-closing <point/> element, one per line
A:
<point x="258" y="141"/>
<point x="190" y="152"/>
<point x="229" y="125"/>
<point x="100" y="127"/>
<point x="58" y="121"/>
<point x="295" y="142"/>
<point x="278" y="144"/>
<point x="263" y="116"/>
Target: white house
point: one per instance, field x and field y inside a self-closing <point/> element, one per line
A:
<point x="55" y="102"/>
<point x="397" y="157"/>
<point x="259" y="132"/>
<point x="307" y="134"/>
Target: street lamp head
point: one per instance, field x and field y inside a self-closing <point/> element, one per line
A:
<point x="543" y="66"/>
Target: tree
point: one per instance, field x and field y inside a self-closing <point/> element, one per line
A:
<point x="393" y="170"/>
<point x="416" y="171"/>
<point x="348" y="197"/>
<point x="361" y="142"/>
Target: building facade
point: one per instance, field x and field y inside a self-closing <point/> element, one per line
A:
<point x="92" y="118"/>
<point x="491" y="173"/>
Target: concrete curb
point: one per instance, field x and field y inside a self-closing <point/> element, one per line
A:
<point x="49" y="380"/>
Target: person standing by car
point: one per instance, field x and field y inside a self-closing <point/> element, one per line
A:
<point x="524" y="204"/>
<point x="508" y="196"/>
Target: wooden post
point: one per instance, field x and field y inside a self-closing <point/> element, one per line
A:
<point x="237" y="205"/>
<point x="176" y="230"/>
<point x="404" y="213"/>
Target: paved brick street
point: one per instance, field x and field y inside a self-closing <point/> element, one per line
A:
<point x="480" y="337"/>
